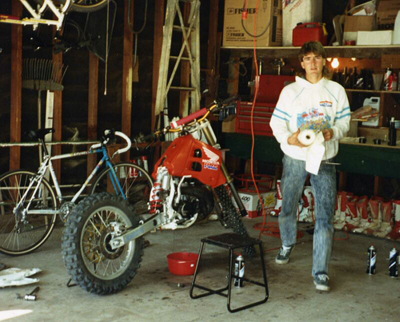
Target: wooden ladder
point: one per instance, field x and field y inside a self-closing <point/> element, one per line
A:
<point x="188" y="58"/>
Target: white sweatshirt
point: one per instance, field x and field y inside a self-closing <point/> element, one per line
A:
<point x="311" y="106"/>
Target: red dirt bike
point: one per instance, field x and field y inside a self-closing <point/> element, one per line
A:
<point x="102" y="242"/>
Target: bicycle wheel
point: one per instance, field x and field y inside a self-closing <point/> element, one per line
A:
<point x="134" y="180"/>
<point x="19" y="236"/>
<point x="84" y="6"/>
<point x="86" y="249"/>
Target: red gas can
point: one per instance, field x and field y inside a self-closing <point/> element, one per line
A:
<point x="310" y="31"/>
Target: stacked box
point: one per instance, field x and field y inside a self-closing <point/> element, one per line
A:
<point x="252" y="203"/>
<point x="386" y="14"/>
<point x="239" y="33"/>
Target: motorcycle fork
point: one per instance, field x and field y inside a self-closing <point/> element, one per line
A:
<point x="229" y="180"/>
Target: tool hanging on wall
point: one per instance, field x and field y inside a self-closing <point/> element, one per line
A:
<point x="136" y="33"/>
<point x="190" y="29"/>
<point x="43" y="75"/>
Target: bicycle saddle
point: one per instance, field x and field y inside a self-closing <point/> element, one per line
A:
<point x="40" y="133"/>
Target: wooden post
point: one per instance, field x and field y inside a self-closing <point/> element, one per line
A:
<point x="157" y="45"/>
<point x="57" y="121"/>
<point x="92" y="107"/>
<point x="16" y="87"/>
<point x="127" y="71"/>
<point x="212" y="52"/>
<point x="377" y="186"/>
<point x="233" y="82"/>
<point x="342" y="184"/>
<point x="185" y="70"/>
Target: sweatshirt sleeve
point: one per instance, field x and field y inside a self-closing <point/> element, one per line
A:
<point x="280" y="118"/>
<point x="341" y="124"/>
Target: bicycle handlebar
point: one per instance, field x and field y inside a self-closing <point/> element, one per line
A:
<point x="108" y="135"/>
<point x="128" y="141"/>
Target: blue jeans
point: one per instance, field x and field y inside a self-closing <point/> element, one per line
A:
<point x="324" y="191"/>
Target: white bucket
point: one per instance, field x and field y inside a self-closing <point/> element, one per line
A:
<point x="295" y="11"/>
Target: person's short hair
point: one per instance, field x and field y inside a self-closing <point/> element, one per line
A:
<point x="316" y="48"/>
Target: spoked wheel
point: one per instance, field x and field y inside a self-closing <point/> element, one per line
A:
<point x="87" y="254"/>
<point x="136" y="184"/>
<point x="84" y="6"/>
<point x="21" y="232"/>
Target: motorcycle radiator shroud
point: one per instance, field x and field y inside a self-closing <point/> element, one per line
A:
<point x="188" y="156"/>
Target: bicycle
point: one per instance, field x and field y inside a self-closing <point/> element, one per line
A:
<point x="29" y="205"/>
<point x="59" y="9"/>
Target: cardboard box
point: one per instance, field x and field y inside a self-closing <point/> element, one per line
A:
<point x="228" y="125"/>
<point x="352" y="24"/>
<point x="252" y="203"/>
<point x="380" y="37"/>
<point x="359" y="23"/>
<point x="269" y="18"/>
<point x="386" y="14"/>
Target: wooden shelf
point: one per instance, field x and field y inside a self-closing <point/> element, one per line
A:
<point x="371" y="52"/>
<point x="371" y="91"/>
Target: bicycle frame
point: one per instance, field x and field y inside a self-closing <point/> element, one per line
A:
<point x="47" y="165"/>
<point x="37" y="14"/>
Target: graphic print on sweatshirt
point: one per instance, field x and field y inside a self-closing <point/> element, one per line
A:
<point x="313" y="119"/>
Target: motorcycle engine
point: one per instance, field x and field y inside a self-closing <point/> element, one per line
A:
<point x="195" y="199"/>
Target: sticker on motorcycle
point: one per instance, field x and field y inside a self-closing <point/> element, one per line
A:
<point x="212" y="163"/>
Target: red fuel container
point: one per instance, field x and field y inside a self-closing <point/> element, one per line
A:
<point x="310" y="31"/>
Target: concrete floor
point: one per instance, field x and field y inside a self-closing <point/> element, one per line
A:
<point x="154" y="294"/>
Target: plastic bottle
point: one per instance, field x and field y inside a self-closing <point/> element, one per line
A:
<point x="396" y="32"/>
<point x="239" y="271"/>
<point x="392" y="132"/>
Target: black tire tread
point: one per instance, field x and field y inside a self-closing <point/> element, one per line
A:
<point x="232" y="217"/>
<point x="71" y="247"/>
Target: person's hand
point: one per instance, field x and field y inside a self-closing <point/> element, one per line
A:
<point x="293" y="140"/>
<point x="328" y="134"/>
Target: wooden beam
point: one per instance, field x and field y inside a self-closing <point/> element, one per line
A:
<point x="157" y="45"/>
<point x="370" y="52"/>
<point x="92" y="106"/>
<point x="233" y="83"/>
<point x="377" y="186"/>
<point x="16" y="87"/>
<point x="127" y="71"/>
<point x="185" y="70"/>
<point x="57" y="120"/>
<point x="212" y="48"/>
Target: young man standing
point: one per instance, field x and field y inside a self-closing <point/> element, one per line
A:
<point x="318" y="104"/>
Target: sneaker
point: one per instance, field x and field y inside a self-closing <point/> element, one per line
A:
<point x="283" y="255"/>
<point x="321" y="282"/>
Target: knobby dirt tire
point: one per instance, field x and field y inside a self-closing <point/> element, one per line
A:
<point x="86" y="251"/>
<point x="232" y="217"/>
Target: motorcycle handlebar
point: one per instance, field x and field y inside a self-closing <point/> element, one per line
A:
<point x="189" y="118"/>
<point x="201" y="113"/>
<point x="229" y="100"/>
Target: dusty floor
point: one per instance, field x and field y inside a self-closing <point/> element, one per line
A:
<point x="154" y="294"/>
